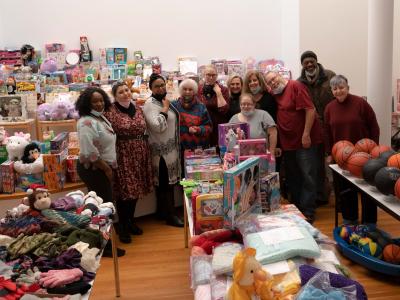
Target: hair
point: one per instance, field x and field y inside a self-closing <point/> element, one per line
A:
<point x="338" y="80"/>
<point x="246" y="95"/>
<point x="154" y="77"/>
<point x="228" y="83"/>
<point x="210" y="67"/>
<point x="188" y="83"/>
<point x="83" y="105"/>
<point x="116" y="85"/>
<point x="260" y="78"/>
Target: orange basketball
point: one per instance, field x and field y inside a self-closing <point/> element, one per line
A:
<point x="391" y="254"/>
<point x="394" y="161"/>
<point x="339" y="145"/>
<point x="343" y="155"/>
<point x="397" y="188"/>
<point x="356" y="162"/>
<point x="365" y="145"/>
<point x="379" y="150"/>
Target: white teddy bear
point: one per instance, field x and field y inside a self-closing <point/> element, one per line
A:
<point x="16" y="145"/>
<point x="94" y="206"/>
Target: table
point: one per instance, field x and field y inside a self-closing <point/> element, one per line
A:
<point x="187" y="219"/>
<point x="389" y="204"/>
<point x="27" y="126"/>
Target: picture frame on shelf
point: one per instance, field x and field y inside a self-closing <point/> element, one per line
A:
<point x="13" y="108"/>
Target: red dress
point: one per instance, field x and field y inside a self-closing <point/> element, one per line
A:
<point x="133" y="177"/>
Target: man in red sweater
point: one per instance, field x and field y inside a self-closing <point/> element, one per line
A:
<point x="300" y="134"/>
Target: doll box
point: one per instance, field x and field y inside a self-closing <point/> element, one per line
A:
<point x="23" y="181"/>
<point x="209" y="212"/>
<point x="270" y="194"/>
<point x="229" y="133"/>
<point x="204" y="172"/>
<point x="59" y="143"/>
<point x="8" y="176"/>
<point x="252" y="147"/>
<point x="241" y="191"/>
<point x="267" y="163"/>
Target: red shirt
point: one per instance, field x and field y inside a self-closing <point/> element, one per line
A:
<point x="291" y="115"/>
<point x="219" y="115"/>
<point x="352" y="120"/>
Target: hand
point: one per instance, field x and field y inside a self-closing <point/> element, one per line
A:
<point x="109" y="173"/>
<point x="329" y="159"/>
<point x="278" y="152"/>
<point x="306" y="141"/>
<point x="193" y="129"/>
<point x="165" y="103"/>
<point x="217" y="89"/>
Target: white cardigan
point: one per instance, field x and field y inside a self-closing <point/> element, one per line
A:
<point x="163" y="138"/>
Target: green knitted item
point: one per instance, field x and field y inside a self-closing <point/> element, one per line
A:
<point x="64" y="217"/>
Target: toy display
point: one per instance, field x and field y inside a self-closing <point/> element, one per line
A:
<point x="58" y="110"/>
<point x="241" y="191"/>
<point x="229" y="133"/>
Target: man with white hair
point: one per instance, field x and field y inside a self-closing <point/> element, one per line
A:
<point x="300" y="135"/>
<point x="215" y="97"/>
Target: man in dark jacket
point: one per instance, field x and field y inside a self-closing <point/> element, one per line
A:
<point x="316" y="78"/>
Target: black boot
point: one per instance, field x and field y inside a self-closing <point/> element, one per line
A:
<point x="133" y="228"/>
<point x="161" y="199"/>
<point x="172" y="218"/>
<point x="123" y="224"/>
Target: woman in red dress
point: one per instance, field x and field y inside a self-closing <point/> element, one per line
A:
<point x="133" y="177"/>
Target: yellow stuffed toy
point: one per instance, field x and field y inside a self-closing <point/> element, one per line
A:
<point x="249" y="279"/>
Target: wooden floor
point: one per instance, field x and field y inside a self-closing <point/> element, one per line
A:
<point x="156" y="265"/>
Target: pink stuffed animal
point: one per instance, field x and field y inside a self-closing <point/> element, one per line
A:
<point x="44" y="111"/>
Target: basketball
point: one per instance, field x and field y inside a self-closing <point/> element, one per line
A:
<point x="343" y="155"/>
<point x="386" y="155"/>
<point x="385" y="179"/>
<point x="378" y="150"/>
<point x="339" y="145"/>
<point x="397" y="189"/>
<point x="391" y="254"/>
<point x="394" y="161"/>
<point x="372" y="249"/>
<point x="356" y="162"/>
<point x="370" y="169"/>
<point x="365" y="145"/>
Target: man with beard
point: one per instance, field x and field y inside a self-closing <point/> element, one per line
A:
<point x="317" y="79"/>
<point x="215" y="97"/>
<point x="300" y="135"/>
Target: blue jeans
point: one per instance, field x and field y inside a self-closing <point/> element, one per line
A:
<point x="302" y="167"/>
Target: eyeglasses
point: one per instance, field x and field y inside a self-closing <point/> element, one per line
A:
<point x="272" y="80"/>
<point x="246" y="104"/>
<point x="211" y="75"/>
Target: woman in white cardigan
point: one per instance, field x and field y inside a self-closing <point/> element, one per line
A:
<point x="163" y="128"/>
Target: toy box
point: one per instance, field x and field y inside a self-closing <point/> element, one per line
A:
<point x="59" y="143"/>
<point x="120" y="55"/>
<point x="72" y="172"/>
<point x="204" y="172"/>
<point x="229" y="133"/>
<point x="73" y="143"/>
<point x="55" y="162"/>
<point x="209" y="212"/>
<point x="267" y="163"/>
<point x="252" y="147"/>
<point x="270" y="195"/>
<point x="8" y="176"/>
<point x="241" y="191"/>
<point x="3" y="154"/>
<point x="54" y="180"/>
<point x="23" y="181"/>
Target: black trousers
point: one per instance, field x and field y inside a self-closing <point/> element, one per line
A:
<point x="165" y="192"/>
<point x="348" y="197"/>
<point x="96" y="180"/>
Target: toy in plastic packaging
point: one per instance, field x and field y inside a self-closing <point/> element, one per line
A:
<point x="223" y="256"/>
<point x="85" y="53"/>
<point x="319" y="287"/>
<point x="121" y="55"/>
<point x="230" y="133"/>
<point x="201" y="270"/>
<point x="209" y="212"/>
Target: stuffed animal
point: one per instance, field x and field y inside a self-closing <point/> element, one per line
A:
<point x="77" y="196"/>
<point x="44" y="111"/>
<point x="60" y="109"/>
<point x="93" y="205"/>
<point x="211" y="239"/>
<point x="249" y="279"/>
<point x="38" y="199"/>
<point x="16" y="145"/>
<point x="31" y="161"/>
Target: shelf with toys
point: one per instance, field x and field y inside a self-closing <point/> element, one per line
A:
<point x="46" y="126"/>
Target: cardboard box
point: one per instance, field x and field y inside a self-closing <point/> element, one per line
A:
<point x="54" y="180"/>
<point x="55" y="162"/>
<point x="241" y="191"/>
<point x="59" y="143"/>
<point x="230" y="133"/>
<point x="270" y="193"/>
<point x="209" y="212"/>
<point x="267" y="163"/>
<point x="8" y="176"/>
<point x="72" y="171"/>
<point x="252" y="147"/>
<point x="204" y="172"/>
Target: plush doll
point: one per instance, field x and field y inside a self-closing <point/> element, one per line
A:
<point x="38" y="199"/>
<point x="31" y="161"/>
<point x="93" y="205"/>
<point x="16" y="145"/>
<point x="60" y="110"/>
<point x="44" y="111"/>
<point x="77" y="196"/>
<point x="249" y="279"/>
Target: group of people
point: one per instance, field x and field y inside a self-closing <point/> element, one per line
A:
<point x="127" y="149"/>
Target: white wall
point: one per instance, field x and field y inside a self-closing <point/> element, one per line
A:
<point x="396" y="46"/>
<point x="206" y="29"/>
<point x="336" y="30"/>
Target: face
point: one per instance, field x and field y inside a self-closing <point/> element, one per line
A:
<point x="247" y="104"/>
<point x="309" y="64"/>
<point x="253" y="82"/>
<point x="97" y="102"/>
<point x="158" y="87"/>
<point x="210" y="76"/>
<point x="340" y="92"/>
<point x="235" y="86"/>
<point x="123" y="94"/>
<point x="187" y="93"/>
<point x="274" y="80"/>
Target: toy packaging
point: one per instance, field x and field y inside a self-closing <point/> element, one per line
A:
<point x="241" y="191"/>
<point x="8" y="176"/>
<point x="252" y="147"/>
<point x="59" y="143"/>
<point x="270" y="195"/>
<point x="267" y="163"/>
<point x="204" y="172"/>
<point x="24" y="181"/>
<point x="73" y="143"/>
<point x="55" y="162"/>
<point x="230" y="133"/>
<point x="54" y="180"/>
<point x="3" y="154"/>
<point x="209" y="212"/>
<point x="120" y="56"/>
<point x="72" y="172"/>
<point x="110" y="56"/>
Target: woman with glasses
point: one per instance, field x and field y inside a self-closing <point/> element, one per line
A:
<point x="215" y="97"/>
<point x="261" y="123"/>
<point x="133" y="177"/>
<point x="163" y="128"/>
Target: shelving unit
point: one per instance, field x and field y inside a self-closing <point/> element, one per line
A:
<point x="27" y="125"/>
<point x="43" y="126"/>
